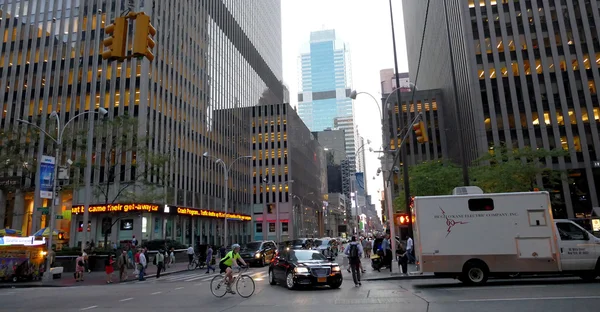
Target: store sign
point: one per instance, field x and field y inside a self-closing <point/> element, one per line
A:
<point x="116" y="208"/>
<point x="10" y="182"/>
<point x="25" y="241"/>
<point x="210" y="214"/>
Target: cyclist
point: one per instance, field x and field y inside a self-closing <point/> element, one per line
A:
<point x="228" y="262"/>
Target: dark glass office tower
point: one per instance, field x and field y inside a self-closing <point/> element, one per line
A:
<point x="527" y="75"/>
<point x="210" y="56"/>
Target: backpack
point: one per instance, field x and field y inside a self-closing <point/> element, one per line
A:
<point x="353" y="253"/>
<point x="154" y="261"/>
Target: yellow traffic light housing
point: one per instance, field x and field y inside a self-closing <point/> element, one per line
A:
<point x="142" y="39"/>
<point x="421" y="132"/>
<point x="117" y="42"/>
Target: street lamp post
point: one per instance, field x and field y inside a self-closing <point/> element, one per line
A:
<point x="226" y="173"/>
<point x="301" y="209"/>
<point x="58" y="140"/>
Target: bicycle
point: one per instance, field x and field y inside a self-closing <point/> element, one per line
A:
<point x="196" y="263"/>
<point x="242" y="283"/>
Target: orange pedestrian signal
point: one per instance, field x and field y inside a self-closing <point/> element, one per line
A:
<point x="421" y="132"/>
<point x="401" y="219"/>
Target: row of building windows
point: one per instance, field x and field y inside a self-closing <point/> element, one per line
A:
<point x="560" y="118"/>
<point x="419" y="107"/>
<point x="268" y="137"/>
<point x="266" y="154"/>
<point x="268" y="171"/>
<point x="538" y="68"/>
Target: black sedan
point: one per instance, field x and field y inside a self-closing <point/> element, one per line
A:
<point x="258" y="252"/>
<point x="294" y="268"/>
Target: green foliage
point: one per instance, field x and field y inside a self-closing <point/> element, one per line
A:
<point x="517" y="170"/>
<point x="502" y="170"/>
<point x="430" y="178"/>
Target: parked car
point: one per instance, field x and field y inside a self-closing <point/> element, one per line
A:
<point x="258" y="252"/>
<point x="301" y="267"/>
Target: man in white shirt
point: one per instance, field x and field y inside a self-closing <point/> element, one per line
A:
<point x="143" y="264"/>
<point x="190" y="253"/>
<point x="410" y="250"/>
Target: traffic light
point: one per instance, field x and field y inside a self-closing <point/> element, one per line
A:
<point x="421" y="132"/>
<point x="61" y="236"/>
<point x="117" y="42"/>
<point x="401" y="218"/>
<point x="142" y="38"/>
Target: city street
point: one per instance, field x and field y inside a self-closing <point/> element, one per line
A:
<point x="190" y="290"/>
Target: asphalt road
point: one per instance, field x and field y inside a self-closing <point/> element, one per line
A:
<point x="190" y="290"/>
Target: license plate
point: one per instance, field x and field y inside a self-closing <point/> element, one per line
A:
<point x="322" y="279"/>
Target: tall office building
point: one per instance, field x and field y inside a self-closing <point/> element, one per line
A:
<point x="289" y="175"/>
<point x="527" y="76"/>
<point x="325" y="82"/>
<point x="212" y="58"/>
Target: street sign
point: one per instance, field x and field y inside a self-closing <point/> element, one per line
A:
<point x="58" y="217"/>
<point x="45" y="213"/>
<point x="42" y="208"/>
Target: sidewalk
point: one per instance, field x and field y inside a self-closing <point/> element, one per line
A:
<point x="386" y="275"/>
<point x="95" y="278"/>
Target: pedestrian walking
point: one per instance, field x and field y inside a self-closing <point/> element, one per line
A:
<point x="159" y="261"/>
<point x="354" y="252"/>
<point x="109" y="269"/>
<point x="122" y="265"/>
<point x="142" y="267"/>
<point x="80" y="267"/>
<point x="209" y="256"/>
<point x="172" y="257"/>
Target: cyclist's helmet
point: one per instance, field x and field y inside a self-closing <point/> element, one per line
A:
<point x="234" y="246"/>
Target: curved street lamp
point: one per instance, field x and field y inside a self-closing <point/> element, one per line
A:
<point x="226" y="170"/>
<point x="58" y="140"/>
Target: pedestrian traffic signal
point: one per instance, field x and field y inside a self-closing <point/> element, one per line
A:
<point x="142" y="38"/>
<point x="401" y="218"/>
<point x="117" y="42"/>
<point x="61" y="236"/>
<point x="421" y="132"/>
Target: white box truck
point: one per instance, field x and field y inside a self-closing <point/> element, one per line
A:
<point x="475" y="236"/>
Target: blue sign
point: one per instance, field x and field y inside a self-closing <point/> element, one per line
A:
<point x="47" y="176"/>
<point x="360" y="183"/>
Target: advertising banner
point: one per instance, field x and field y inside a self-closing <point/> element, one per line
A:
<point x="360" y="183"/>
<point x="47" y="176"/>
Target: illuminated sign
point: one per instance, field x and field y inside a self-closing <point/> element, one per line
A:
<point x="596" y="225"/>
<point x="26" y="241"/>
<point x="210" y="214"/>
<point x="116" y="208"/>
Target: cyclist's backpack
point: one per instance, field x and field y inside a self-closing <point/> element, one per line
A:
<point x="353" y="251"/>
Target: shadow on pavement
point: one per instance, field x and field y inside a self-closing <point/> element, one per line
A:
<point x="513" y="282"/>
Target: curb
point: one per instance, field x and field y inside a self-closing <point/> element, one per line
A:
<point x="392" y="278"/>
<point x="41" y="285"/>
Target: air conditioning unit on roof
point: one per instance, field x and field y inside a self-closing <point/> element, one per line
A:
<point x="467" y="190"/>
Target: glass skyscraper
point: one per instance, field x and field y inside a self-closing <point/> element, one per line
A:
<point x="323" y="101"/>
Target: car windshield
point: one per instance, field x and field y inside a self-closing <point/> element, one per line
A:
<point x="252" y="246"/>
<point x="298" y="242"/>
<point x="324" y="242"/>
<point x="306" y="255"/>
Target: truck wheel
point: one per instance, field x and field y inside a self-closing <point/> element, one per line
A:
<point x="475" y="274"/>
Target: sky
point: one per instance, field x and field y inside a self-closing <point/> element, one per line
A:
<point x="365" y="26"/>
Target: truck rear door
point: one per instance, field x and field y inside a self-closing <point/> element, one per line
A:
<point x="578" y="249"/>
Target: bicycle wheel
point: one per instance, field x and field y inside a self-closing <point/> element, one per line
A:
<point x="192" y="265"/>
<point x="245" y="286"/>
<point x="218" y="287"/>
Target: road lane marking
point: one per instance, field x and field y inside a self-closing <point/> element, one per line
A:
<point x="178" y="288"/>
<point x="88" y="308"/>
<point x="529" y="299"/>
<point x="126" y="299"/>
<point x="492" y="287"/>
<point x="196" y="278"/>
<point x="156" y="293"/>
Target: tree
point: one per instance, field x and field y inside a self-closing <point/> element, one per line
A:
<point x="502" y="170"/>
<point x="129" y="170"/>
<point x="515" y="170"/>
<point x="428" y="179"/>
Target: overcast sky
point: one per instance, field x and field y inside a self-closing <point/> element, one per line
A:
<point x="365" y="27"/>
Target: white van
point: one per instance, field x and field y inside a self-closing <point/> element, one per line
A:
<point x="472" y="237"/>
